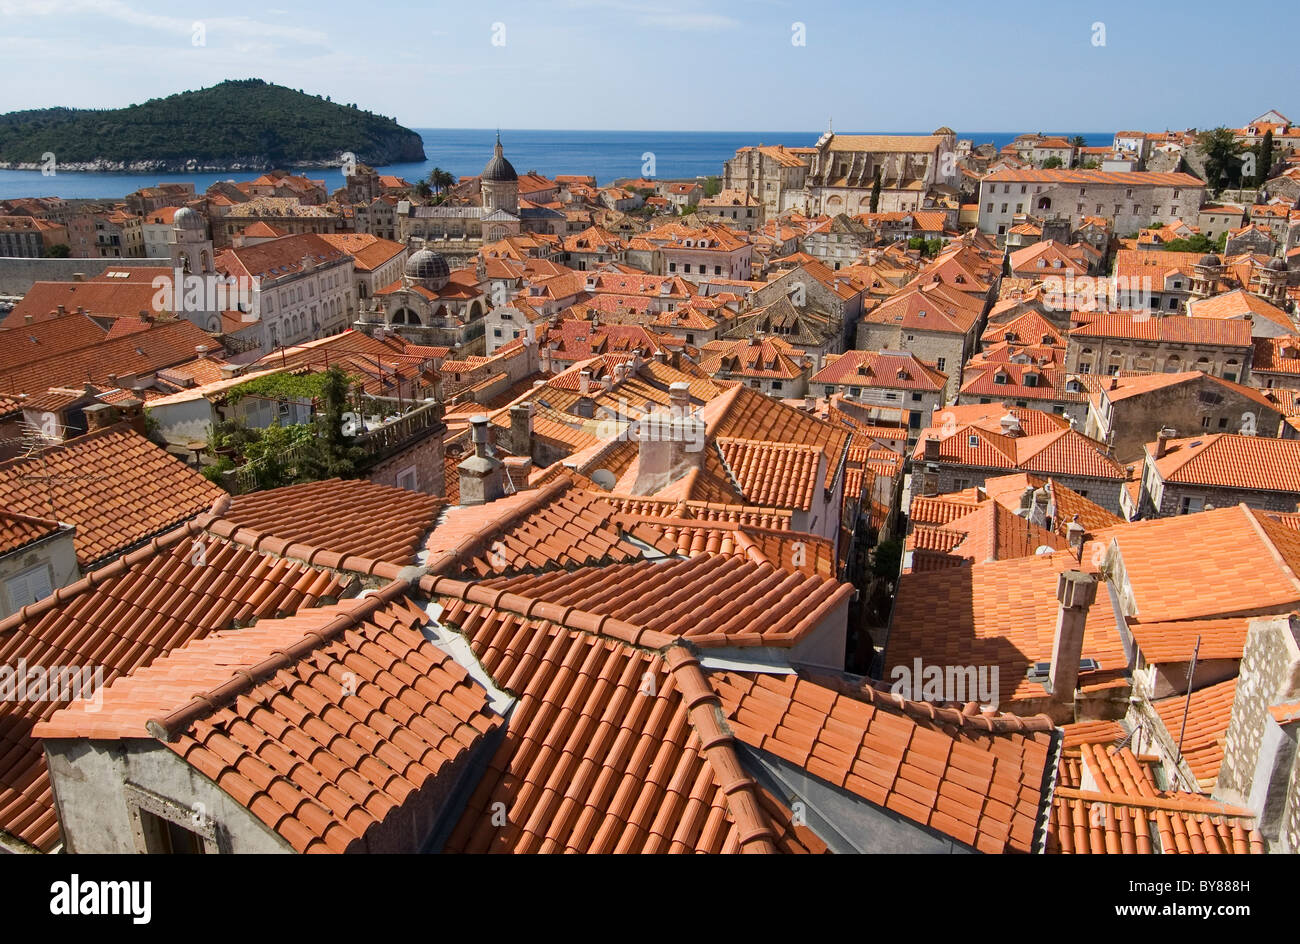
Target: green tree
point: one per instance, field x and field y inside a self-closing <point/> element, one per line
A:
<point x="712" y="186"/>
<point x="332" y="453"/>
<point x="1079" y="141"/>
<point x="1053" y="162"/>
<point x="875" y="192"/>
<point x="1197" y="242"/>
<point x="440" y="179"/>
<point x="1264" y="156"/>
<point x="1222" y="153"/>
<point x="58" y="251"/>
<point x="422" y="189"/>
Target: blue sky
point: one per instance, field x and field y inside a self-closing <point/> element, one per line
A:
<point x="679" y="64"/>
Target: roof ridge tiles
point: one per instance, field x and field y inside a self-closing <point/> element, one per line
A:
<point x="583" y="621"/>
<point x="704" y="710"/>
<point x="169" y="727"/>
<point x="1175" y="803"/>
<point x="99" y="575"/>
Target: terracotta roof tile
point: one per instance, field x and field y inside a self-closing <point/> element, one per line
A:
<point x="1207" y="727"/>
<point x="118" y="488"/>
<point x="292" y="713"/>
<point x="939" y="767"/>
<point x="124" y="616"/>
<point x="369" y="520"/>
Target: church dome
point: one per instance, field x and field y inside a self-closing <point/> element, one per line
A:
<point x="499" y="170"/>
<point x="1210" y="260"/>
<point x="1277" y="265"/>
<point x="186" y="218"/>
<point x="427" y="265"/>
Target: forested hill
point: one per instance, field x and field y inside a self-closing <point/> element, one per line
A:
<point x="238" y="124"/>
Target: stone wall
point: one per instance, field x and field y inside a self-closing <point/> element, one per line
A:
<point x="425" y="458"/>
<point x="930" y="346"/>
<point x="18" y="275"/>
<point x="1259" y="768"/>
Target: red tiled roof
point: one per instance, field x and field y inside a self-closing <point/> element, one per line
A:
<point x="118" y="488"/>
<point x="124" y="616"/>
<point x="1173" y="329"/>
<point x="1207" y="727"/>
<point x="17" y="531"/>
<point x="892" y="369"/>
<point x="708" y="601"/>
<point x="976" y="779"/>
<point x="779" y="475"/>
<point x="379" y="522"/>
<point x="1001" y="613"/>
<point x="1229" y="460"/>
<point x="322" y="724"/>
<point x="557" y="525"/>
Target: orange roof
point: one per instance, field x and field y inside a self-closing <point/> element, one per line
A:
<point x="1001" y="613"/>
<point x="1239" y="304"/>
<point x="973" y="778"/>
<point x="1215" y="563"/>
<point x="893" y="369"/>
<point x="379" y="522"/>
<point x="368" y="252"/>
<point x="314" y="779"/>
<point x="1229" y="460"/>
<point x="157" y="600"/>
<point x="671" y="598"/>
<point x="1207" y="727"/>
<point x="18" y="531"/>
<point x="781" y="475"/>
<point x="1175" y="329"/>
<point x="115" y="486"/>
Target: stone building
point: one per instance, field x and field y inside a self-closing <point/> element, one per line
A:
<point x="1120" y="342"/>
<point x="1261" y="768"/>
<point x="895" y="379"/>
<point x="843" y="168"/>
<point x="774" y="175"/>
<point x="1132" y="201"/>
<point x="432" y="304"/>
<point x="935" y="322"/>
<point x="1181" y="476"/>
<point x="966" y="445"/>
<point x="1127" y="411"/>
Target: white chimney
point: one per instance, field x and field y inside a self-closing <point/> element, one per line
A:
<point x="584" y="383"/>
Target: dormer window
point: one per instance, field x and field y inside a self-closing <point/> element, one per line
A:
<point x="973" y="441"/>
<point x="1000" y="378"/>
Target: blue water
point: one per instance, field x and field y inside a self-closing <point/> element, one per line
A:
<point x="607" y="155"/>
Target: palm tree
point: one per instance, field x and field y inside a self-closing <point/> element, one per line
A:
<point x="440" y="179"/>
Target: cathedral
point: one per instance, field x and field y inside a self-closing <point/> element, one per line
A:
<point x="458" y="232"/>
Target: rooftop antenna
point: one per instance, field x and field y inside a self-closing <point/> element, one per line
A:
<point x="1187" y="705"/>
<point x="37" y="442"/>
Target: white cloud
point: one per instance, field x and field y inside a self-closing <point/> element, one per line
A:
<point x="240" y="26"/>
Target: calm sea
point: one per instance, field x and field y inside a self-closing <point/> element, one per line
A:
<point x="607" y="155"/>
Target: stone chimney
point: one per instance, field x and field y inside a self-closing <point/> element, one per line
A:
<point x="482" y="475"/>
<point x="679" y="397"/>
<point x="931" y="449"/>
<point x="78" y="277"/>
<point x="1010" y="425"/>
<point x="669" y="445"/>
<point x="810" y="403"/>
<point x="1075" y="592"/>
<point x="521" y="429"/>
<point x="1026" y="501"/>
<point x="1074" y="536"/>
<point x="99" y="416"/>
<point x="584" y="383"/>
<point x="1162" y="441"/>
<point x="132" y="411"/>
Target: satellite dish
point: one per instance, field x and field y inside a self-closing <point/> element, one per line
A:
<point x="1045" y="549"/>
<point x="604" y="479"/>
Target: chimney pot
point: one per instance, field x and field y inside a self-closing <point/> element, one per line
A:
<point x="1162" y="441"/>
